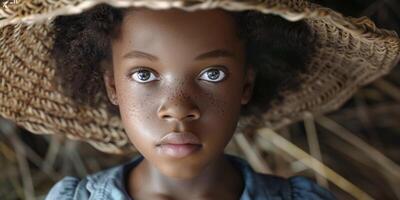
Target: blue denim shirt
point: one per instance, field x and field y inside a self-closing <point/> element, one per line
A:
<point x="110" y="184"/>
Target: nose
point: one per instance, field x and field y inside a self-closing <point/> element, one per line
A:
<point x="179" y="108"/>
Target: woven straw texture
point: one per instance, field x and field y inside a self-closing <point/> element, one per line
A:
<point x="350" y="52"/>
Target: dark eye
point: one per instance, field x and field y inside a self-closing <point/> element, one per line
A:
<point x="213" y="75"/>
<point x="143" y="76"/>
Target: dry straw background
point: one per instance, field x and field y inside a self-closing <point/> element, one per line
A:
<point x="354" y="151"/>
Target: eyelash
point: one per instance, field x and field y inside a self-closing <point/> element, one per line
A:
<point x="221" y="68"/>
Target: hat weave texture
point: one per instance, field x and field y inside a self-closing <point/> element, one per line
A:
<point x="349" y="53"/>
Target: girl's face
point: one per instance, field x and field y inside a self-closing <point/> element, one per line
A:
<point x="177" y="71"/>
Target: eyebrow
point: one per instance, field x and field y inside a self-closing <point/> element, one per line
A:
<point x="217" y="53"/>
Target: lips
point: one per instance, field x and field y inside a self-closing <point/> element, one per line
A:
<point x="180" y="138"/>
<point x="179" y="144"/>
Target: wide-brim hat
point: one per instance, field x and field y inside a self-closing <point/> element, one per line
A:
<point x="349" y="53"/>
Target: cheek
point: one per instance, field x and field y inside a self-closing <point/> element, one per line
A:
<point x="222" y="105"/>
<point x="220" y="116"/>
<point x="134" y="103"/>
<point x="138" y="109"/>
<point x="225" y="101"/>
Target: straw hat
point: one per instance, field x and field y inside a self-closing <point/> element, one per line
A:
<point x="350" y="52"/>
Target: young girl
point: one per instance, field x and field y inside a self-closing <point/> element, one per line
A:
<point x="180" y="80"/>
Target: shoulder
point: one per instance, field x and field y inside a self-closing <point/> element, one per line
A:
<point x="105" y="184"/>
<point x="260" y="186"/>
<point x="305" y="188"/>
<point x="294" y="188"/>
<point x="68" y="188"/>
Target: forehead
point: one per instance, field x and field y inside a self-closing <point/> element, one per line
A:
<point x="160" y="31"/>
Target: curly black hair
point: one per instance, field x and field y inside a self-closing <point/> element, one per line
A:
<point x="278" y="50"/>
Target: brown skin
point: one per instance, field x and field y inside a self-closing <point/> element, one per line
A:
<point x="179" y="96"/>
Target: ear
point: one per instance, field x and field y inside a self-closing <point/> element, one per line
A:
<point x="248" y="85"/>
<point x="109" y="82"/>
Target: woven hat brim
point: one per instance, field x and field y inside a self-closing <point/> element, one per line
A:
<point x="350" y="52"/>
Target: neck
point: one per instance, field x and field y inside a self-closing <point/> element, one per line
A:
<point x="218" y="179"/>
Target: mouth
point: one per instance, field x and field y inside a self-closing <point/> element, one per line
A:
<point x="179" y="144"/>
<point x="178" y="150"/>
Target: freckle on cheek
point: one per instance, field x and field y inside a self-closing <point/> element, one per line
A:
<point x="145" y="104"/>
<point x="215" y="104"/>
<point x="221" y="108"/>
